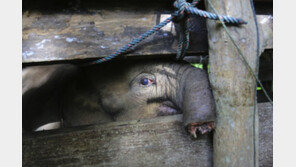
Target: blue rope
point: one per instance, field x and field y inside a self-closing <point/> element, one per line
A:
<point x="184" y="6"/>
<point x="181" y="17"/>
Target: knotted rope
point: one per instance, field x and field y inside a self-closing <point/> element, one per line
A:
<point x="181" y="17"/>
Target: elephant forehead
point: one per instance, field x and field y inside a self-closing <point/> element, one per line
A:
<point x="170" y="70"/>
<point x="166" y="69"/>
<point x="116" y="88"/>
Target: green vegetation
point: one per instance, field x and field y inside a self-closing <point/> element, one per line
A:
<point x="197" y="65"/>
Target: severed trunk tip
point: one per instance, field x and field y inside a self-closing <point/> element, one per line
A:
<point x="200" y="128"/>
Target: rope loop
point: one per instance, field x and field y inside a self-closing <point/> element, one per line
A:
<point x="180" y="13"/>
<point x="181" y="17"/>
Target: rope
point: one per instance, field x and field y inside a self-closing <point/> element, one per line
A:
<point x="181" y="16"/>
<point x="182" y="5"/>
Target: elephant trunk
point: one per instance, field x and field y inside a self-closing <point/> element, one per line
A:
<point x="196" y="100"/>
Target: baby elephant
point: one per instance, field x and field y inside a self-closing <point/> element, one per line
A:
<point x="117" y="91"/>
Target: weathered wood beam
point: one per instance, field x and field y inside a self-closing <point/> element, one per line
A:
<point x="78" y="36"/>
<point x="233" y="86"/>
<point x="160" y="141"/>
<point x="154" y="142"/>
<point x="75" y="36"/>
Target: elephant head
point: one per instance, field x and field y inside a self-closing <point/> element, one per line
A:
<point x="123" y="90"/>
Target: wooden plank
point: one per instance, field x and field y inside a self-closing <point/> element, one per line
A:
<point x="159" y="141"/>
<point x="156" y="142"/>
<point x="233" y="86"/>
<point x="57" y="37"/>
<point x="78" y="36"/>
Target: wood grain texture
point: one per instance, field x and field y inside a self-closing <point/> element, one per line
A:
<point x="156" y="142"/>
<point x="233" y="86"/>
<point x="49" y="37"/>
<point x="78" y="36"/>
<point x="159" y="141"/>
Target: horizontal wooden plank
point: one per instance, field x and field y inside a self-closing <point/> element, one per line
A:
<point x="160" y="141"/>
<point x="75" y="36"/>
<point x="78" y="36"/>
<point x="156" y="142"/>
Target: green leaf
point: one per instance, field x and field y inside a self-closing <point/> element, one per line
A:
<point x="197" y="65"/>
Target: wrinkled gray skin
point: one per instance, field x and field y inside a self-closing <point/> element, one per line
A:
<point x="115" y="91"/>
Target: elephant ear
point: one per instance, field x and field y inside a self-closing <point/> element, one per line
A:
<point x="198" y="102"/>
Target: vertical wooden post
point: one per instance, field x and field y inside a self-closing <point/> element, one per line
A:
<point x="233" y="86"/>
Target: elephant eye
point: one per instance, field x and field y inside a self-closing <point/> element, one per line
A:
<point x="146" y="81"/>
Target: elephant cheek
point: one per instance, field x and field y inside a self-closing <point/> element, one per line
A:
<point x="113" y="105"/>
<point x="140" y="109"/>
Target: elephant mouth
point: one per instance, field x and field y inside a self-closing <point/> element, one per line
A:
<point x="168" y="108"/>
<point x="195" y="129"/>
